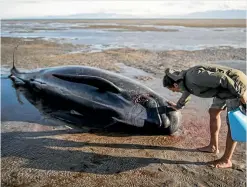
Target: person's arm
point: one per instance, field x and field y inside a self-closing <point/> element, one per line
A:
<point x="184" y="99"/>
<point x="219" y="80"/>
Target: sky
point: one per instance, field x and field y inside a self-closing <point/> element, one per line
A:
<point x="115" y="8"/>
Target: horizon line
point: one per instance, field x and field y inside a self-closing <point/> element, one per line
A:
<point x="120" y="18"/>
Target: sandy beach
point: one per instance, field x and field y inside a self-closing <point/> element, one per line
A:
<point x="47" y="155"/>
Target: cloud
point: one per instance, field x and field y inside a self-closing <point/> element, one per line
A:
<point x="138" y="8"/>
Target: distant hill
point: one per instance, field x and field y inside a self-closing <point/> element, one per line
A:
<point x="217" y="14"/>
<point x="92" y="16"/>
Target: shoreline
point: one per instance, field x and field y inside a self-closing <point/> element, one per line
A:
<point x="37" y="53"/>
<point x="161" y="22"/>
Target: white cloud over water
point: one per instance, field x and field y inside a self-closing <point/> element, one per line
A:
<point x="129" y="8"/>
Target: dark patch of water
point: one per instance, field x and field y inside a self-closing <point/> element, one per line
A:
<point x="18" y="105"/>
<point x="15" y="106"/>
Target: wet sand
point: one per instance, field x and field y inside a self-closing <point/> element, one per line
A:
<point x="129" y="28"/>
<point x="52" y="154"/>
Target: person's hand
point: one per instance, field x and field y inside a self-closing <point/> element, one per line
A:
<point x="244" y="102"/>
<point x="244" y="98"/>
<point x="172" y="105"/>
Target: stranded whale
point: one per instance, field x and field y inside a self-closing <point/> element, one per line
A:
<point x="100" y="94"/>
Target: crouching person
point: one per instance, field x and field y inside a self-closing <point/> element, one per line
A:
<point x="225" y="85"/>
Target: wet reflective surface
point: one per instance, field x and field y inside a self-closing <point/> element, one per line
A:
<point x="15" y="106"/>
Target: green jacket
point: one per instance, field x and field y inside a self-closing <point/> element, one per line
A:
<point x="211" y="81"/>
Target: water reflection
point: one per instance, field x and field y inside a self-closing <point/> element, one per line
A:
<point x="15" y="106"/>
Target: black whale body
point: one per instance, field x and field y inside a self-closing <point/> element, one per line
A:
<point x="101" y="94"/>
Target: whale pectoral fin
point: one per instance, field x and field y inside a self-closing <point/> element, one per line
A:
<point x="98" y="82"/>
<point x="116" y="120"/>
<point x="17" y="81"/>
<point x="74" y="112"/>
<point x="135" y="122"/>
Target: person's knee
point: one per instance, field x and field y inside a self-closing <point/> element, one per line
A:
<point x="214" y="112"/>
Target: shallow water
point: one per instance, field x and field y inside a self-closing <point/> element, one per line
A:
<point x="185" y="38"/>
<point x="16" y="107"/>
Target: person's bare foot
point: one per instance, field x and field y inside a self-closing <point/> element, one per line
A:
<point x="221" y="163"/>
<point x="209" y="149"/>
